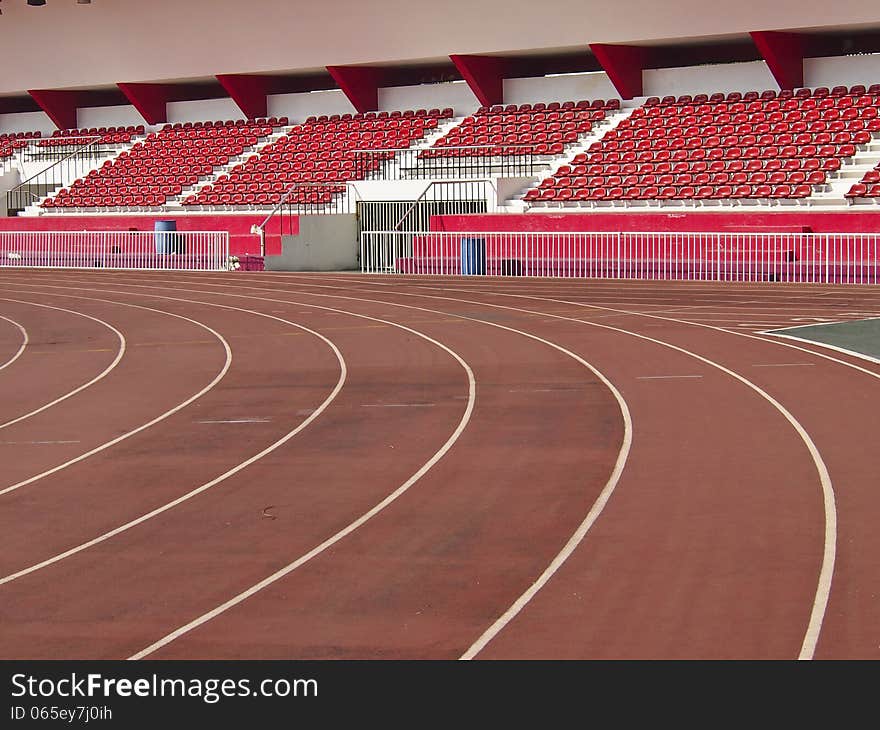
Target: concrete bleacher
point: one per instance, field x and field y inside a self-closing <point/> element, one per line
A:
<point x="542" y="129"/>
<point x="156" y="169"/>
<point x="721" y="149"/>
<point x="815" y="147"/>
<point x="318" y="155"/>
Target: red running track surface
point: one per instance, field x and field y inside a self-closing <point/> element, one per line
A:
<point x="384" y="467"/>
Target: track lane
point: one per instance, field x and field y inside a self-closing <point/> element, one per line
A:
<point x="349" y="298"/>
<point x="66" y="352"/>
<point x="442" y="526"/>
<point x="237" y="518"/>
<point x="84" y="421"/>
<point x="220" y="432"/>
<point x="838" y="407"/>
<point x="653" y="332"/>
<point x="815" y="621"/>
<point x="120" y="353"/>
<point x="496" y="355"/>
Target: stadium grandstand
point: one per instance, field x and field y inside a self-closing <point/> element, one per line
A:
<point x="771" y="126"/>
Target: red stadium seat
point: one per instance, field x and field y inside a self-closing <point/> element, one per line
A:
<point x="858" y="190"/>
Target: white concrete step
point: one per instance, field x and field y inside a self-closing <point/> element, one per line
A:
<point x="443" y="128"/>
<point x="79" y="172"/>
<point x="611" y="121"/>
<point x="393" y="169"/>
<point x="233" y="162"/>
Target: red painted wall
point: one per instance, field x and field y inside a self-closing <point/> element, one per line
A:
<point x="781" y="221"/>
<point x="241" y="240"/>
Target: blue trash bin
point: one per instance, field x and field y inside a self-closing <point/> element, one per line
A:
<point x="165" y="235"/>
<point x="167" y="238"/>
<point x="473" y="256"/>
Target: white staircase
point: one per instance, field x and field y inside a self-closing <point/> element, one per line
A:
<point x="393" y="169"/>
<point x="598" y="131"/>
<point x="176" y="203"/>
<point x="73" y="174"/>
<point x="851" y="172"/>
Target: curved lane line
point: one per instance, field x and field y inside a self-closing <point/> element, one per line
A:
<point x="119" y="355"/>
<point x="24" y="343"/>
<point x="829" y="552"/>
<point x="144" y="427"/>
<point x="343" y="373"/>
<point x="351" y="527"/>
<point x="523" y="600"/>
<point x="813" y="343"/>
<point x="650" y="315"/>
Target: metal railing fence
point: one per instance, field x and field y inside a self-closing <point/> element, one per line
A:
<point x="159" y="250"/>
<point x="439" y="162"/>
<point x="842" y="258"/>
<point x="61" y="165"/>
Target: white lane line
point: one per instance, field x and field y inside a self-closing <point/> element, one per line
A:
<point x="842" y="350"/>
<point x="784" y="365"/>
<point x="36" y="443"/>
<point x="24" y="342"/>
<point x="343" y="371"/>
<point x="594" y="513"/>
<point x="598" y="505"/>
<point x="582" y="530"/>
<point x="351" y="527"/>
<point x="816" y="321"/>
<point x="829" y="552"/>
<point x="821" y="599"/>
<point x="668" y="377"/>
<point x="144" y="427"/>
<point x="332" y="540"/>
<point x="119" y="355"/>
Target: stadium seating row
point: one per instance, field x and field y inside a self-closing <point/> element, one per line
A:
<point x="159" y="167"/>
<point x="769" y="95"/>
<point x="318" y="153"/>
<point x="774" y="145"/>
<point x="675" y="192"/>
<point x="867" y="187"/>
<point x="518" y="130"/>
<point x="755" y="144"/>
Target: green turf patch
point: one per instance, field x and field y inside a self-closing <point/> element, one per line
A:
<point x="860" y="336"/>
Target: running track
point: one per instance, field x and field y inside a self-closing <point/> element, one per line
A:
<point x="274" y="466"/>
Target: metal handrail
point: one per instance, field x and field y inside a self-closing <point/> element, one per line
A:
<point x="259" y="229"/>
<point x="430" y="185"/>
<point x="18" y="189"/>
<point x="442" y="147"/>
<point x="94" y="141"/>
<point x="438" y="161"/>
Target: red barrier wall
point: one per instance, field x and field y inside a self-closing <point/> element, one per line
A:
<point x="751" y="222"/>
<point x="241" y="240"/>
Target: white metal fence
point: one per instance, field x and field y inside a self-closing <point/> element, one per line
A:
<point x="182" y="250"/>
<point x="847" y="258"/>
